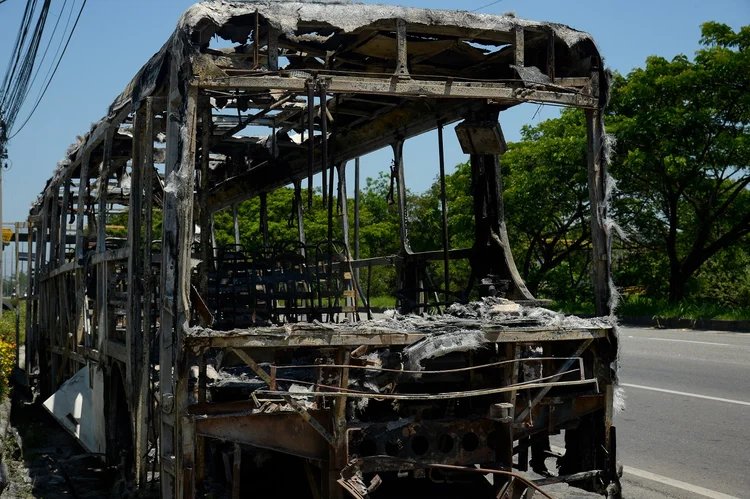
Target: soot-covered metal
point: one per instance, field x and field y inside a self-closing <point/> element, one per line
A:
<point x="262" y="370"/>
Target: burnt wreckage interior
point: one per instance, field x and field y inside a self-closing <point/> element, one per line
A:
<point x="205" y="368"/>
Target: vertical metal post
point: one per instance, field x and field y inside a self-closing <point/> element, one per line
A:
<point x="145" y="402"/>
<point x="213" y="237"/>
<point x="350" y="284"/>
<point x="82" y="326"/>
<point x="337" y="453"/>
<point x="551" y="55"/>
<point x="398" y="157"/>
<point x="30" y="253"/>
<point x="54" y="225"/>
<point x="52" y="329"/>
<point x="407" y="269"/>
<point x="343" y="200"/>
<point x="136" y="264"/>
<point x="264" y="217"/>
<point x="236" y="467"/>
<point x="519" y="48"/>
<point x="41" y="258"/>
<point x="597" y="174"/>
<point x="205" y="217"/>
<point x="133" y="337"/>
<point x="64" y="221"/>
<point x="444" y="207"/>
<point x="236" y="225"/>
<point x="273" y="48"/>
<point x="83" y="191"/>
<point x="101" y="246"/>
<point x="300" y="211"/>
<point x="18" y="297"/>
<point x="401" y="63"/>
<point x="323" y="138"/>
<point x="183" y="216"/>
<point x="330" y="202"/>
<point x="256" y="42"/>
<point x="176" y="226"/>
<point x="310" y="140"/>
<point x="356" y="215"/>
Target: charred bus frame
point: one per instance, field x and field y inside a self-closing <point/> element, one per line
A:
<point x="332" y="82"/>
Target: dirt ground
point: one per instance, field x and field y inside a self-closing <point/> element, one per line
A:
<point x="44" y="461"/>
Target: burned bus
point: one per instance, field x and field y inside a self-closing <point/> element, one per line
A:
<point x="206" y="369"/>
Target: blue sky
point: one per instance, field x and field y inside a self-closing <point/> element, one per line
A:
<point x="115" y="38"/>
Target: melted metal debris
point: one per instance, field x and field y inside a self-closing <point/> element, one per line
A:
<point x="458" y="318"/>
<point x="458" y="330"/>
<point x="438" y="345"/>
<point x="214" y="17"/>
<point x="531" y="75"/>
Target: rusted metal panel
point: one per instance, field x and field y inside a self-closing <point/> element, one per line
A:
<point x="284" y="432"/>
<point x="455" y="441"/>
<point x="481" y="138"/>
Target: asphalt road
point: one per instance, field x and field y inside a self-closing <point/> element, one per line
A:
<point x="690" y="444"/>
<point x="696" y="440"/>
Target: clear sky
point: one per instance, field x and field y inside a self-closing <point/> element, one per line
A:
<point x="115" y="38"/>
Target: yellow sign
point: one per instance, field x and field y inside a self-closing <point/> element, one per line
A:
<point x="7" y="235"/>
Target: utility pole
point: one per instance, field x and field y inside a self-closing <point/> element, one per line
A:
<point x="3" y="158"/>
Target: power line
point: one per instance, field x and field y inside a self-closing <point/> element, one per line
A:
<point x="49" y="42"/>
<point x="21" y="87"/>
<point x="15" y="85"/>
<point x="39" y="100"/>
<point x="488" y="5"/>
<point x="17" y="48"/>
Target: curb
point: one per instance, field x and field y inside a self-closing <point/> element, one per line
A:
<point x="682" y="323"/>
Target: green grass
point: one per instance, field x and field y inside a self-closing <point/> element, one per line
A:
<point x="686" y="309"/>
<point x="632" y="305"/>
<point x="650" y="307"/>
<point x="381" y="302"/>
<point x="572" y="308"/>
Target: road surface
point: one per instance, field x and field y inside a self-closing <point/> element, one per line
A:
<point x="685" y="432"/>
<point x="697" y="440"/>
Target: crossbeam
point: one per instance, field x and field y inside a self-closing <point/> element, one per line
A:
<point x="387" y="85"/>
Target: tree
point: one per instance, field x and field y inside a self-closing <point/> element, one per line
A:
<point x="683" y="161"/>
<point x="546" y="205"/>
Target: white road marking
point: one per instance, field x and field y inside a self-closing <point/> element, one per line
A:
<point x="682" y="341"/>
<point x="686" y="394"/>
<point x="689" y="487"/>
<point x="676" y="483"/>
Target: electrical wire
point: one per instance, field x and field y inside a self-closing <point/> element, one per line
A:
<point x="17" y="87"/>
<point x="17" y="49"/>
<point x="488" y="5"/>
<point x="49" y="42"/>
<point x="21" y="89"/>
<point x="46" y="87"/>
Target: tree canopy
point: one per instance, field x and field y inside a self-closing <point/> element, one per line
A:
<point x="683" y="161"/>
